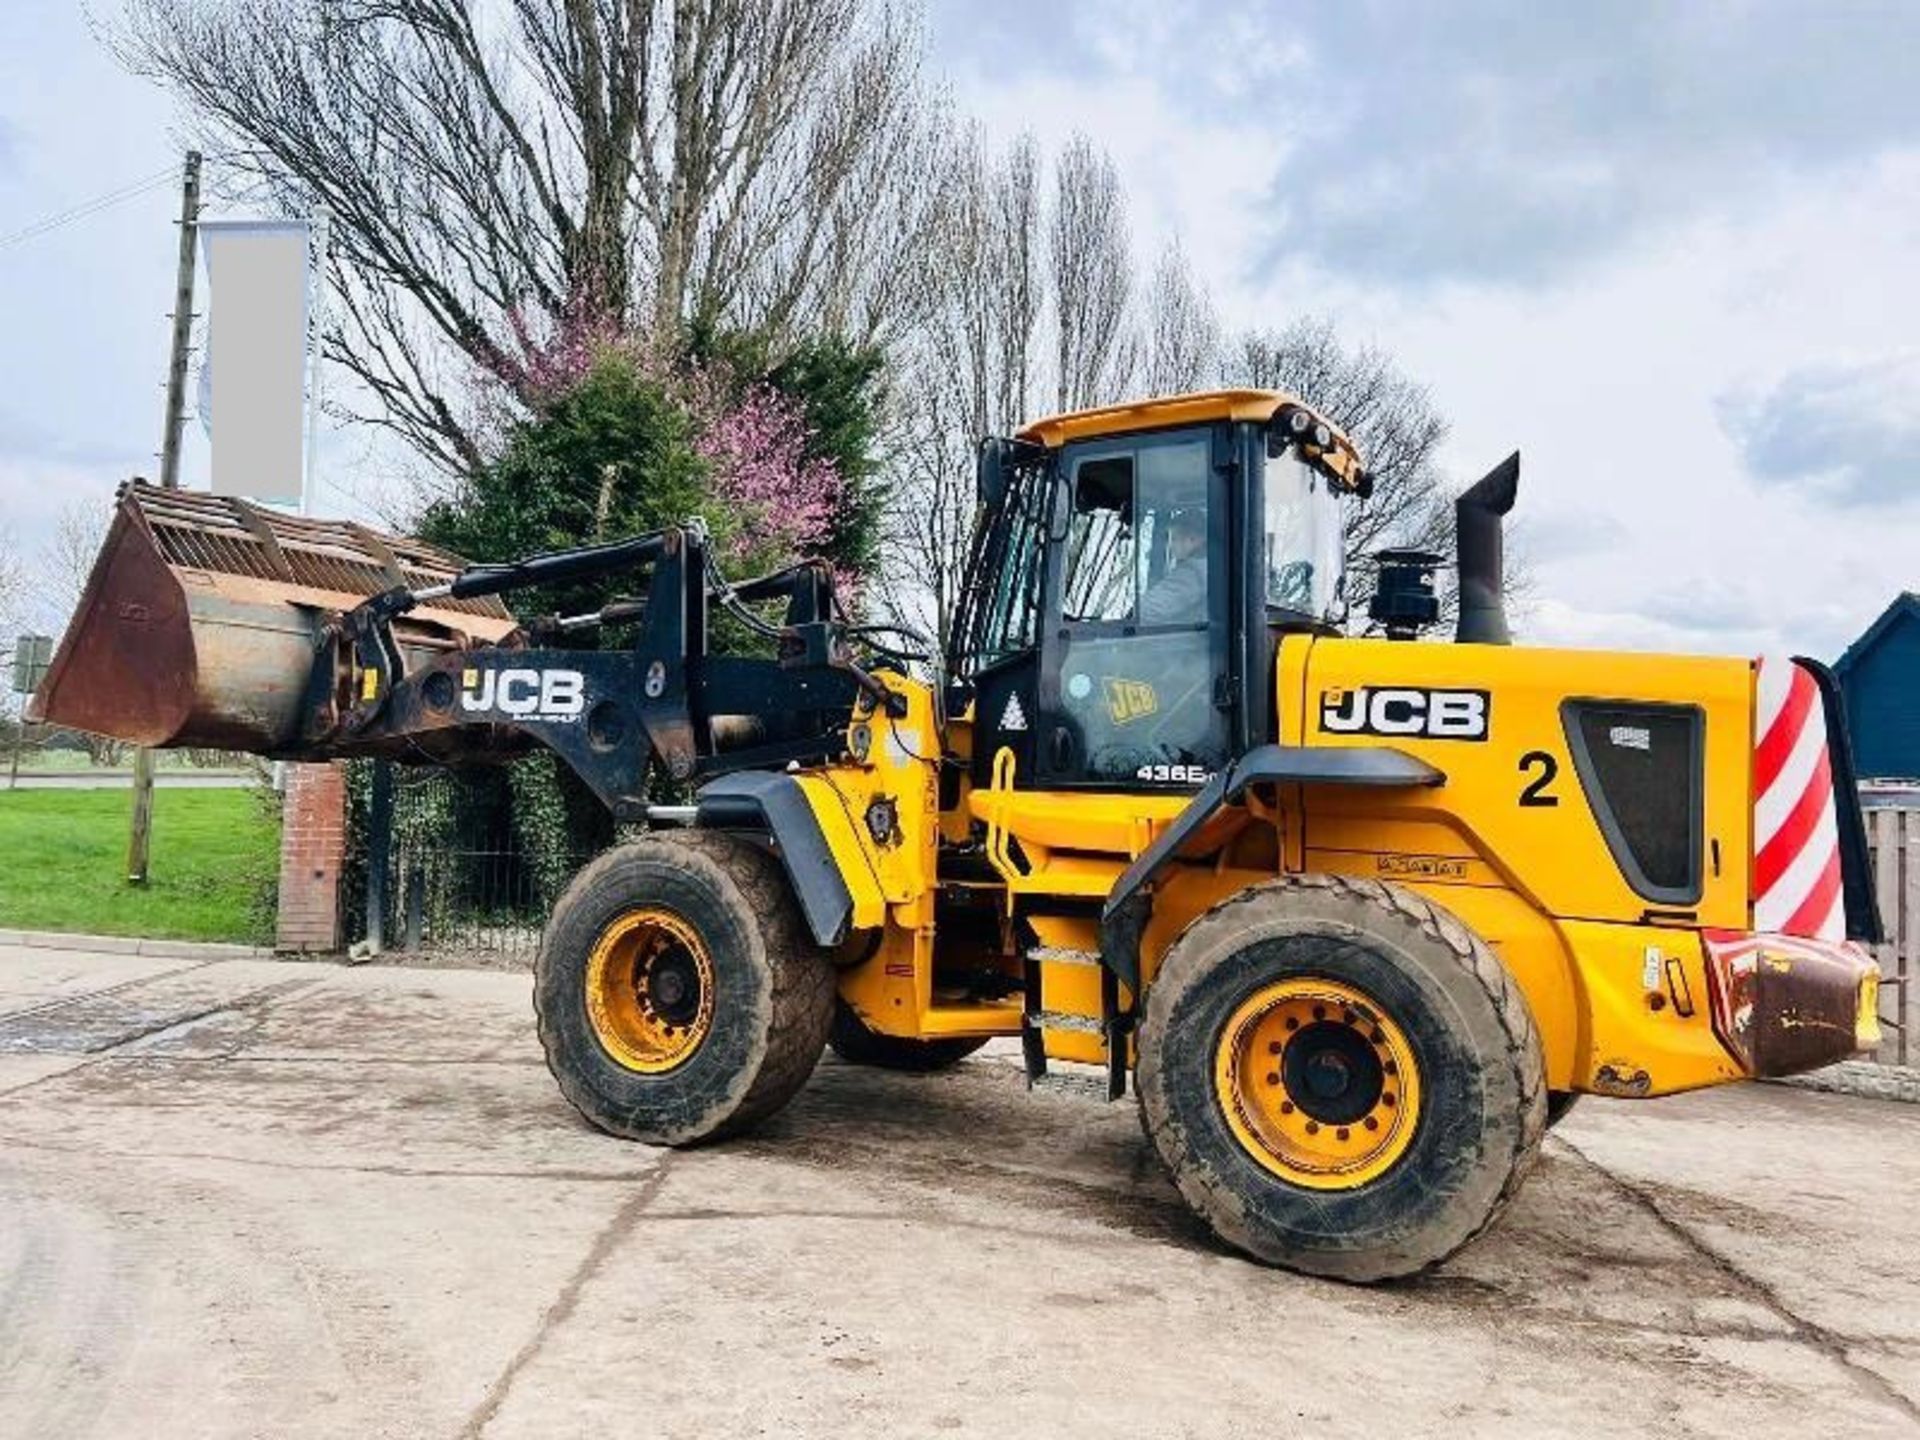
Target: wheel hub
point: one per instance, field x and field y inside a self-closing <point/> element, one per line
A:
<point x="1317" y="1083"/>
<point x="1332" y="1073"/>
<point x="649" y="991"/>
<point x="672" y="983"/>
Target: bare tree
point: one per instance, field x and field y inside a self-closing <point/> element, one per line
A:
<point x="1008" y="328"/>
<point x="67" y="558"/>
<point x="495" y="174"/>
<point x="1090" y="251"/>
<point x="12" y="588"/>
<point x="1389" y="416"/>
<point x="13" y="583"/>
<point x="13" y="593"/>
<point x="1182" y="340"/>
<point x="970" y="370"/>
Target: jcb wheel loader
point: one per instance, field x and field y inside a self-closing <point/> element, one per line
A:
<point x="1358" y="917"/>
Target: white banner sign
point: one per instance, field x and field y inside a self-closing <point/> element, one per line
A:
<point x="253" y="382"/>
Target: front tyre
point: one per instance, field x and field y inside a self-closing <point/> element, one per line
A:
<point x="1340" y="1076"/>
<point x="678" y="993"/>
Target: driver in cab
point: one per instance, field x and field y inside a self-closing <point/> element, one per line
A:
<point x="1180" y="594"/>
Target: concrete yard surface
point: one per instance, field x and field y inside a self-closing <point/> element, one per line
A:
<point x="258" y="1198"/>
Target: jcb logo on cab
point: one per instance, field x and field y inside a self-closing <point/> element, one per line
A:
<point x="1430" y="714"/>
<point x="1130" y="699"/>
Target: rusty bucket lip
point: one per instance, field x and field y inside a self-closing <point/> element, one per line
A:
<point x="88" y="612"/>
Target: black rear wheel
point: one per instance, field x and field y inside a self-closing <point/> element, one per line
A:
<point x="679" y="994"/>
<point x="1340" y="1076"/>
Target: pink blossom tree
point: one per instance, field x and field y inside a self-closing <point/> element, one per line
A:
<point x="772" y="502"/>
<point x="782" y="501"/>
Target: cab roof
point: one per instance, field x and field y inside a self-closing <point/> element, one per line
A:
<point x="1198" y="408"/>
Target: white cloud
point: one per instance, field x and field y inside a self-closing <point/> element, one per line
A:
<point x="1794" y="239"/>
<point x="1842" y="432"/>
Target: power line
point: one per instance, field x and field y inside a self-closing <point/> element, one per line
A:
<point x="90" y="207"/>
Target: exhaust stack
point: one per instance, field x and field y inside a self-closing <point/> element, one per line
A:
<point x="1479" y="548"/>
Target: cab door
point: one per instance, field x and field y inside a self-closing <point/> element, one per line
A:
<point x="1131" y="690"/>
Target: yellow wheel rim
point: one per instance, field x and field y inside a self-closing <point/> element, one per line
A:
<point x="1317" y="1083"/>
<point x="650" y="991"/>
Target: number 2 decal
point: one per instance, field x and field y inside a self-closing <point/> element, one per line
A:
<point x="1535" y="794"/>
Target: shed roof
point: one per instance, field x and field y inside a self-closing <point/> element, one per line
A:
<point x="1906" y="605"/>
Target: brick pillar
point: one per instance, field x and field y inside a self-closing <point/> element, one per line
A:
<point x="313" y="846"/>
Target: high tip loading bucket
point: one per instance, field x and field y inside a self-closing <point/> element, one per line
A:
<point x="201" y="620"/>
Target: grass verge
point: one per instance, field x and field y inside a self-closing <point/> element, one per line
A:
<point x="63" y="856"/>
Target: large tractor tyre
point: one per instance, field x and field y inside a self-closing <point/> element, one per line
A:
<point x="857" y="1044"/>
<point x="1340" y="1076"/>
<point x="1559" y="1103"/>
<point x="679" y="994"/>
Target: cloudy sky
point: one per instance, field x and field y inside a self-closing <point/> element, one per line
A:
<point x="1667" y="251"/>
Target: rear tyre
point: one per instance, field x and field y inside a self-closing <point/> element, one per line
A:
<point x="679" y="995"/>
<point x="1341" y="1077"/>
<point x="857" y="1044"/>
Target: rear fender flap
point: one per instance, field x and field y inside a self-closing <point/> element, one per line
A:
<point x="1125" y="913"/>
<point x="776" y="806"/>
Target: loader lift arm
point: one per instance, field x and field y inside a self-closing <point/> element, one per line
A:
<point x="610" y="714"/>
<point x="211" y="622"/>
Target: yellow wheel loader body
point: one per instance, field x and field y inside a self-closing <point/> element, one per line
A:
<point x="1353" y="916"/>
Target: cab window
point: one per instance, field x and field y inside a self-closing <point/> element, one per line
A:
<point x="1138" y="537"/>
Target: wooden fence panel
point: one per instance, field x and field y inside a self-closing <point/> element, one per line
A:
<point x="1892" y="837"/>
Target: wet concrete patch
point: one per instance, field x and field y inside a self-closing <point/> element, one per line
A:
<point x="32" y="977"/>
<point x="377" y="1014"/>
<point x="100" y="1020"/>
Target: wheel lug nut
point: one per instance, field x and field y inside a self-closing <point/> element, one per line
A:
<point x="1378" y="1036"/>
<point x="1387" y="1100"/>
<point x="1272" y="1078"/>
<point x="1371" y="1123"/>
<point x="1389" y="1067"/>
<point x="1313" y="1127"/>
<point x="1286" y="1107"/>
<point x="1319" y="1012"/>
<point x="1292" y="1024"/>
<point x="1341" y="1132"/>
<point x="1273" y="1047"/>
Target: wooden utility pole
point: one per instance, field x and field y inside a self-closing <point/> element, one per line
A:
<point x="169" y="472"/>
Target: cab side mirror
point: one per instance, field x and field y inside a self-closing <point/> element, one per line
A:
<point x="992" y="469"/>
<point x="998" y="459"/>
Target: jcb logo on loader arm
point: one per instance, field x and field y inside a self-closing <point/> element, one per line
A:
<point x="1430" y="714"/>
<point x="525" y="694"/>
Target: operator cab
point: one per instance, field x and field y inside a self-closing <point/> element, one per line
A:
<point x="1129" y="572"/>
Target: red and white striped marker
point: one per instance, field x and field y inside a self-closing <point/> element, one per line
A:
<point x="1796" y="841"/>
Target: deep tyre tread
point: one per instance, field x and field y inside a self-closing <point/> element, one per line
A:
<point x="1484" y="1107"/>
<point x="854" y="1042"/>
<point x="774" y="989"/>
